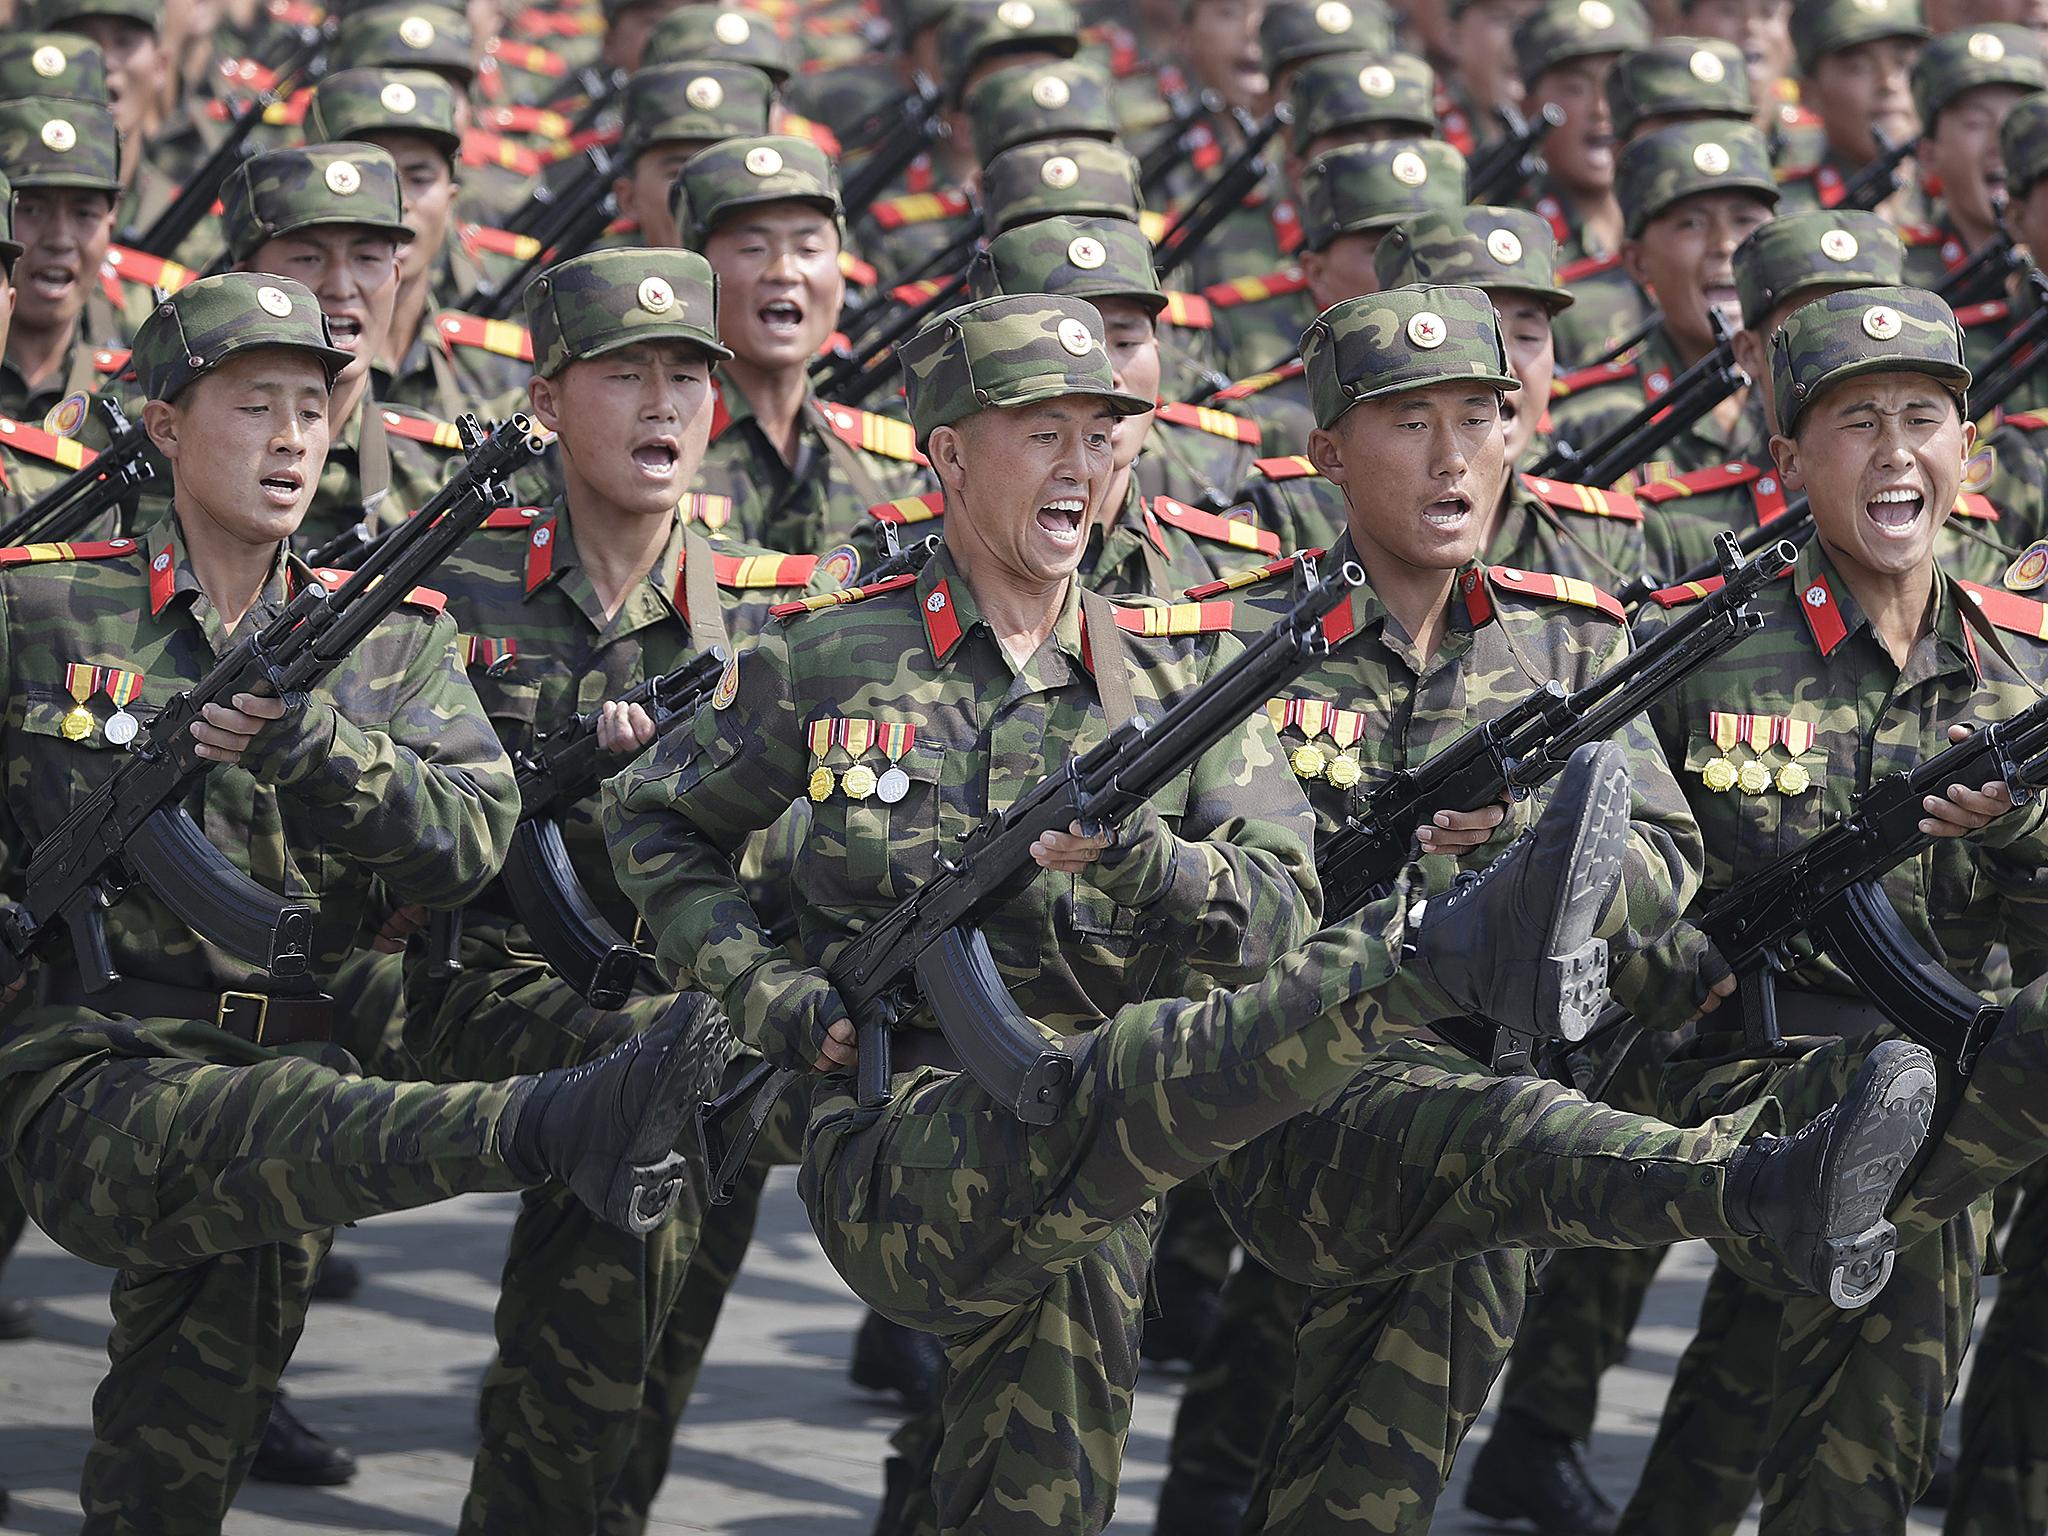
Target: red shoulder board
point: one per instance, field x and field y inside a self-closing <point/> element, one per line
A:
<point x="910" y="509"/>
<point x="421" y="429"/>
<point x="1563" y="589"/>
<point x="817" y="133"/>
<point x="2006" y="610"/>
<point x="480" y="147"/>
<point x="2026" y="421"/>
<point x="1259" y="383"/>
<point x="1990" y="312"/>
<point x="1919" y="234"/>
<point x="498" y="242"/>
<point x="917" y="292"/>
<point x="1597" y="373"/>
<point x="1716" y="477"/>
<point x="531" y="57"/>
<point x="513" y="517"/>
<point x="38" y="554"/>
<point x="823" y="600"/>
<point x="885" y="435"/>
<point x="920" y="208"/>
<point x="38" y="444"/>
<point x="1189" y="311"/>
<point x="538" y="121"/>
<point x="1687" y="592"/>
<point x="1249" y="290"/>
<point x="1239" y="579"/>
<point x="1975" y="507"/>
<point x="1567" y="497"/>
<point x="1234" y="531"/>
<point x="1215" y="423"/>
<point x="1293" y="466"/>
<point x="140" y="267"/>
<point x="499" y="336"/>
<point x="1175" y="619"/>
<point x="748" y="572"/>
<point x="1587" y="266"/>
<point x="854" y="270"/>
<point x="110" y="359"/>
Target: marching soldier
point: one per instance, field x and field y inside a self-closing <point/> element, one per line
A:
<point x="1856" y="62"/>
<point x="672" y="111"/>
<point x="31" y="459"/>
<point x="1677" y="79"/>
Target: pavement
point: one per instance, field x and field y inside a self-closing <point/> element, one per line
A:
<point x="777" y="1443"/>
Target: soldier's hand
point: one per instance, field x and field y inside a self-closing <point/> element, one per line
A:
<point x="625" y="728"/>
<point x="224" y="733"/>
<point x="1070" y="851"/>
<point x="1456" y="832"/>
<point x="1964" y="810"/>
<point x="1717" y="994"/>
<point x="840" y="1048"/>
<point x="398" y="927"/>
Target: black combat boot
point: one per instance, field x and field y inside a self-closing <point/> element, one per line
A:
<point x="888" y="1357"/>
<point x="1513" y="944"/>
<point x="1942" y="1485"/>
<point x="609" y="1128"/>
<point x="1529" y="1472"/>
<point x="1194" y="1506"/>
<point x="1819" y="1195"/>
<point x="17" y="1319"/>
<point x="293" y="1453"/>
<point x="340" y="1277"/>
<point x="1189" y="1303"/>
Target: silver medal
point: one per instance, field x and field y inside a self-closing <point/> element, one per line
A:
<point x="121" y="727"/>
<point x="893" y="785"/>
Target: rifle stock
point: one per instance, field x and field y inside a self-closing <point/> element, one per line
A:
<point x="1879" y="179"/>
<point x="72" y="505"/>
<point x="1636" y="439"/>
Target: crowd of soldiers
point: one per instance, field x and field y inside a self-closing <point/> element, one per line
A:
<point x="969" y="384"/>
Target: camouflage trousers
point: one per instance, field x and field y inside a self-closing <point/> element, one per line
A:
<point x="1410" y="1204"/>
<point x="582" y="1305"/>
<point x="1026" y="1247"/>
<point x="1239" y="1387"/>
<point x="1853" y="1424"/>
<point x="211" y="1189"/>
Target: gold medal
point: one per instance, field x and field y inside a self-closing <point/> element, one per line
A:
<point x="1719" y="775"/>
<point x="77" y="724"/>
<point x="858" y="781"/>
<point x="1344" y="771"/>
<point x="1307" y="761"/>
<point x="1753" y="778"/>
<point x="1794" y="780"/>
<point x="821" y="783"/>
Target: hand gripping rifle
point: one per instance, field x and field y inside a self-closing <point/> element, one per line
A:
<point x="133" y="828"/>
<point x="1828" y="888"/>
<point x="1516" y="160"/>
<point x="1223" y="196"/>
<point x="1635" y="441"/>
<point x="76" y="502"/>
<point x="917" y="124"/>
<point x="930" y="946"/>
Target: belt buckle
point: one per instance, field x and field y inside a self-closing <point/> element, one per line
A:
<point x="229" y="1003"/>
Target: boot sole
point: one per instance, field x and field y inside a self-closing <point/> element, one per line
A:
<point x="650" y="1175"/>
<point x="1894" y="1105"/>
<point x="1571" y="980"/>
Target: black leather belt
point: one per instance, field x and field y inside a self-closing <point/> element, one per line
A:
<point x="258" y="1017"/>
<point x="911" y="1048"/>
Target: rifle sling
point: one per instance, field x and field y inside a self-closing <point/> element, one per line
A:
<point x="1111" y="655"/>
<point x="700" y="591"/>
<point x="373" y="459"/>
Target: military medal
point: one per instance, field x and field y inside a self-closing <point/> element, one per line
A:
<point x="1753" y="778"/>
<point x="894" y="740"/>
<point x="81" y="682"/>
<point x="1344" y="771"/>
<point x="892" y="786"/>
<point x="858" y="781"/>
<point x="122" y="688"/>
<point x="821" y="783"/>
<point x="1794" y="780"/>
<point x="77" y="724"/>
<point x="121" y="727"/>
<point x="1307" y="761"/>
<point x="1719" y="775"/>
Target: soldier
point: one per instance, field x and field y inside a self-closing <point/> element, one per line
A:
<point x="672" y="111"/>
<point x="1480" y="75"/>
<point x="799" y="471"/>
<point x="1404" y="1204"/>
<point x="31" y="460"/>
<point x="2018" y="450"/>
<point x="1692" y="193"/>
<point x="1564" y="51"/>
<point x="189" y="1126"/>
<point x="1760" y="30"/>
<point x="1872" y="659"/>
<point x="1018" y="1230"/>
<point x="1677" y="80"/>
<point x="126" y="33"/>
<point x="1856" y="61"/>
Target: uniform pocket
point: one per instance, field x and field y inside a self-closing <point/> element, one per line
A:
<point x="1757" y="801"/>
<point x="874" y="825"/>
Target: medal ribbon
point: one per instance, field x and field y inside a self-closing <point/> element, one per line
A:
<point x="895" y="740"/>
<point x="1761" y="732"/>
<point x="122" y="687"/>
<point x="81" y="681"/>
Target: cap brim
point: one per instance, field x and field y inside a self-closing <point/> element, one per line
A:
<point x="1952" y="376"/>
<point x="824" y="205"/>
<point x="1770" y="191"/>
<point x="10" y="251"/>
<point x="711" y="349"/>
<point x="1556" y="300"/>
<point x="401" y="233"/>
<point x="331" y="359"/>
<point x="83" y="183"/>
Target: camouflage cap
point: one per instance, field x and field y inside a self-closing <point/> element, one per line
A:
<point x="743" y="173"/>
<point x="1082" y="177"/>
<point x="2000" y="53"/>
<point x="713" y="33"/>
<point x="1828" y="26"/>
<point x="282" y="191"/>
<point x="1674" y="163"/>
<point x="604" y="300"/>
<point x="1081" y="258"/>
<point x="356" y="103"/>
<point x="1859" y="331"/>
<point x="2023" y="143"/>
<point x="1343" y="91"/>
<point x="1402" y="339"/>
<point x="1563" y="30"/>
<point x="54" y="15"/>
<point x="52" y="64"/>
<point x="1004" y="352"/>
<point x="1822" y="248"/>
<point x="47" y="141"/>
<point x="979" y="30"/>
<point x="1375" y="186"/>
<point x="907" y="18"/>
<point x="1295" y="31"/>
<point x="406" y="37"/>
<point x="10" y="248"/>
<point x="1476" y="247"/>
<point x="1067" y="99"/>
<point x="210" y="319"/>
<point x="1679" y="77"/>
<point x="696" y="100"/>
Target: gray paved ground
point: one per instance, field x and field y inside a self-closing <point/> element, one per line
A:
<point x="776" y="1444"/>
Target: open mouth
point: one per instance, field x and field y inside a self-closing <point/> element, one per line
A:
<point x="1721" y="295"/>
<point x="53" y="281"/>
<point x="1062" y="518"/>
<point x="1448" y="511"/>
<point x="281" y="487"/>
<point x="1895" y="510"/>
<point x="781" y="317"/>
<point x="657" y="459"/>
<point x="1994" y="178"/>
<point x="347" y="331"/>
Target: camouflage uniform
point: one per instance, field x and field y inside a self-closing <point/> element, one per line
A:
<point x="1850" y="1432"/>
<point x="1658" y="172"/>
<point x="1027" y="1246"/>
<point x="32" y="461"/>
<point x="151" y="1129"/>
<point x="1827" y="26"/>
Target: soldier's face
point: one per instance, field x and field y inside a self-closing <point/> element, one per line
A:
<point x="1421" y="472"/>
<point x="1021" y="485"/>
<point x="633" y="425"/>
<point x="780" y="287"/>
<point x="6" y="308"/>
<point x="1525" y="327"/>
<point x="625" y="40"/>
<point x="136" y="66"/>
<point x="63" y="233"/>
<point x="246" y="443"/>
<point x="1962" y="149"/>
<point x="1483" y="52"/>
<point x="353" y="271"/>
<point x="1221" y="44"/>
<point x="1760" y="28"/>
<point x="1686" y="258"/>
<point x="426" y="183"/>
<point x="2028" y="218"/>
<point x="643" y="192"/>
<point x="1134" y="355"/>
<point x="1343" y="269"/>
<point x="1580" y="153"/>
<point x="1881" y="458"/>
<point x="1856" y="89"/>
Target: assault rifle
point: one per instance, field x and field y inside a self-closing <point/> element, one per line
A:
<point x="133" y="827"/>
<point x="1984" y="271"/>
<point x="1879" y="179"/>
<point x="1223" y="196"/>
<point x="1505" y="168"/>
<point x="1828" y="888"/>
<point x="1172" y="148"/>
<point x="577" y="214"/>
<point x="76" y="502"/>
<point x="930" y="946"/>
<point x="852" y="376"/>
<point x="1636" y="439"/>
<point x="918" y="123"/>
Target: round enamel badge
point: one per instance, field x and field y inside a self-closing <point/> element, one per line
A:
<point x="397" y="97"/>
<point x="1707" y="67"/>
<point x="416" y="32"/>
<point x="1059" y="173"/>
<point x="1075" y="337"/>
<point x="274" y="301"/>
<point x="342" y="178"/>
<point x="731" y="28"/>
<point x="1050" y="92"/>
<point x="704" y="93"/>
